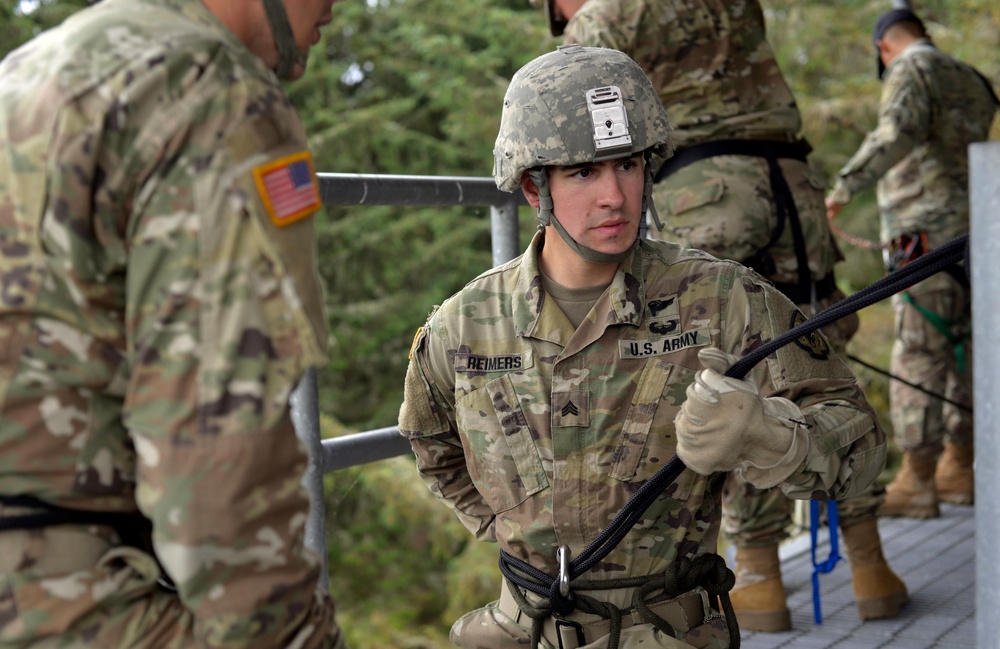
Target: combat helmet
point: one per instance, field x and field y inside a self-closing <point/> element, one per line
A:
<point x="577" y="105"/>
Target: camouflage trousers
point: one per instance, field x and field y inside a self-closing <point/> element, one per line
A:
<point x="67" y="588"/>
<point x="501" y="625"/>
<point x="924" y="356"/>
<point x="49" y="598"/>
<point x="754" y="517"/>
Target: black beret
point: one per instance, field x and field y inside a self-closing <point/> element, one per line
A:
<point x="887" y="20"/>
<point x="890" y="18"/>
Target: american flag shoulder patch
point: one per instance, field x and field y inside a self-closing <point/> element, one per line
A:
<point x="288" y="188"/>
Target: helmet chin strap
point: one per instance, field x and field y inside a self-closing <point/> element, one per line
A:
<point x="546" y="216"/>
<point x="647" y="196"/>
<point x="289" y="53"/>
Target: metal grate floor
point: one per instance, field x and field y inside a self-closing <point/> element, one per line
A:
<point x="936" y="560"/>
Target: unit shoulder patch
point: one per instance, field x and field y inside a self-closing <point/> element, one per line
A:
<point x="814" y="343"/>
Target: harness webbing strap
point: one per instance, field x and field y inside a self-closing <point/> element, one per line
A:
<point x="797" y="150"/>
<point x="708" y="571"/>
<point x="943" y="326"/>
<point x="50" y="514"/>
<point x="784" y="200"/>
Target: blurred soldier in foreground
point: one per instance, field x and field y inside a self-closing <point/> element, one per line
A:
<point x="546" y="392"/>
<point x="932" y="107"/>
<point x="159" y="302"/>
<point x="739" y="187"/>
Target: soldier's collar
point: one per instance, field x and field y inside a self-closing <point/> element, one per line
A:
<point x="626" y="290"/>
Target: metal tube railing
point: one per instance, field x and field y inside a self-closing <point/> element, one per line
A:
<point x="984" y="200"/>
<point x="370" y="446"/>
<point x="305" y="417"/>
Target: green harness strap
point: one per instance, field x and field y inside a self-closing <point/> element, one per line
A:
<point x="944" y="327"/>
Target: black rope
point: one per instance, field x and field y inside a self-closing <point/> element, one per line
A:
<point x="542" y="584"/>
<point x="912" y="385"/>
<point x="921" y="268"/>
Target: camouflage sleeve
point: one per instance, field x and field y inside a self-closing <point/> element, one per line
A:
<point x="904" y="118"/>
<point x="847" y="446"/>
<point x="605" y="24"/>
<point x="218" y="338"/>
<point x="427" y="419"/>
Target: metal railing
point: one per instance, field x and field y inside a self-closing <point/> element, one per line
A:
<point x="373" y="445"/>
<point x="984" y="235"/>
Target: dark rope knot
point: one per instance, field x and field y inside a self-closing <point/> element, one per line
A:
<point x="708" y="571"/>
<point x="715" y="576"/>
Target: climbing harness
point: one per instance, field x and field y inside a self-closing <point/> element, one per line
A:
<point x="803" y="291"/>
<point x="671" y="594"/>
<point x="902" y="251"/>
<point x="522" y="574"/>
<point x="944" y="327"/>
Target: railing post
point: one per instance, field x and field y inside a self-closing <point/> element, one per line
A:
<point x="504" y="228"/>
<point x="305" y="417"/>
<point x="984" y="199"/>
<point x="350" y="450"/>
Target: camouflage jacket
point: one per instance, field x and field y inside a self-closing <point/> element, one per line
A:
<point x="536" y="435"/>
<point x="932" y="107"/>
<point x="714" y="69"/>
<point x="718" y="78"/>
<point x="159" y="302"/>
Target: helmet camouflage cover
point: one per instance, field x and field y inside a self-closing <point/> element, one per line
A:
<point x="565" y="108"/>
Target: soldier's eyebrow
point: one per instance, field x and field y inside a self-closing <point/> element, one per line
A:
<point x="593" y="163"/>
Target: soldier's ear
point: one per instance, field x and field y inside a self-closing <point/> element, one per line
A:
<point x="530" y="190"/>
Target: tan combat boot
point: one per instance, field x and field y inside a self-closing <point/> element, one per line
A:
<point x="759" y="596"/>
<point x="954" y="478"/>
<point x="912" y="492"/>
<point x="878" y="591"/>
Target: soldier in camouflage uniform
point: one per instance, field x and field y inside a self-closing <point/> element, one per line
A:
<point x="160" y="301"/>
<point x="740" y="188"/>
<point x="932" y="107"/>
<point x="543" y="394"/>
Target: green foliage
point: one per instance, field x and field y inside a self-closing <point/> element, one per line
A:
<point x="401" y="564"/>
<point x="403" y="87"/>
<point x="21" y="20"/>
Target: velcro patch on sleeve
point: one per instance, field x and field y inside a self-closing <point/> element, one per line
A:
<point x="416" y="341"/>
<point x="288" y="188"/>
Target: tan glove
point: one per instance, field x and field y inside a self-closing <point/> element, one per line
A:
<point x="725" y="425"/>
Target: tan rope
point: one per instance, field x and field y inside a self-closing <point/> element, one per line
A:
<point x="858" y="242"/>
